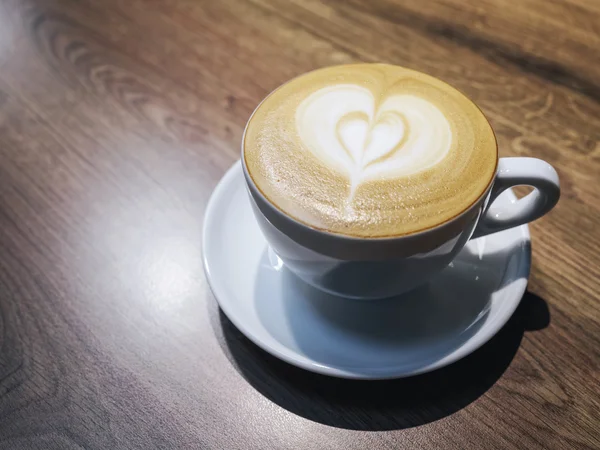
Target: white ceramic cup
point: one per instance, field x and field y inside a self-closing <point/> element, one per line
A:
<point x="370" y="268"/>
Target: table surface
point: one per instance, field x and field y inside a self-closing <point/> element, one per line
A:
<point x="117" y="119"/>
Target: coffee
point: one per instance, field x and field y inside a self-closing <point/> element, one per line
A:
<point x="370" y="150"/>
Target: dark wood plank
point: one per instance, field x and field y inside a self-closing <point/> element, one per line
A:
<point x="117" y="119"/>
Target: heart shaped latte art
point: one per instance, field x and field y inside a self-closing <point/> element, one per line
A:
<point x="345" y="128"/>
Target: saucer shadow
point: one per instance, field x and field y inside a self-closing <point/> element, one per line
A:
<point x="389" y="404"/>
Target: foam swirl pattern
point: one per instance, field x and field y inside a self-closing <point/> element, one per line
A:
<point x="370" y="150"/>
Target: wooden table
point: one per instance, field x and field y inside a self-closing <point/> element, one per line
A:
<point x="117" y="119"/>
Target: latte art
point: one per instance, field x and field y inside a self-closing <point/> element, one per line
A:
<point x="369" y="150"/>
<point x="343" y="127"/>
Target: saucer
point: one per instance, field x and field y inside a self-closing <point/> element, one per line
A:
<point x="459" y="310"/>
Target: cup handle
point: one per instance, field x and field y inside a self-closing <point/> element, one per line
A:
<point x="514" y="172"/>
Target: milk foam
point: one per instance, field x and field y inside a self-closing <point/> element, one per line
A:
<point x="348" y="131"/>
<point x="370" y="150"/>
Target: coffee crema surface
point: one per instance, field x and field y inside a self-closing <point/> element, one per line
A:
<point x="370" y="150"/>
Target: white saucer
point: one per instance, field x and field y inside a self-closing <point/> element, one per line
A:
<point x="435" y="325"/>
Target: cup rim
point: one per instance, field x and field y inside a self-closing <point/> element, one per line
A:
<point x="285" y="217"/>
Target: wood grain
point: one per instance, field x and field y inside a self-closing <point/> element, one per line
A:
<point x="117" y="119"/>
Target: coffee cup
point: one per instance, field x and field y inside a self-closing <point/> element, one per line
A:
<point x="376" y="229"/>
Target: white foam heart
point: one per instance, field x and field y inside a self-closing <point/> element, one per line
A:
<point x="344" y="127"/>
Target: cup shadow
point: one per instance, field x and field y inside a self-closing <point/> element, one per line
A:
<point x="389" y="404"/>
<point x="366" y="337"/>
